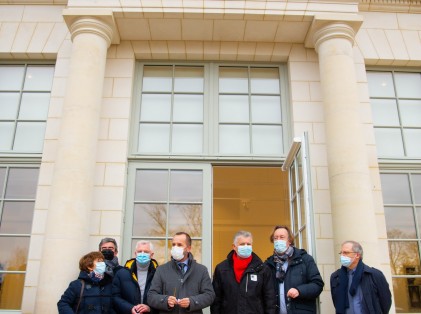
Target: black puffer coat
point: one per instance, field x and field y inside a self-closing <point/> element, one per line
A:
<point x="303" y="275"/>
<point x="126" y="291"/>
<point x="96" y="297"/>
<point x="253" y="295"/>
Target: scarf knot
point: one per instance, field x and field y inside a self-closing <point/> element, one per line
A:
<point x="280" y="260"/>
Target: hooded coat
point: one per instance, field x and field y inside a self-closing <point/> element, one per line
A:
<point x="253" y="295"/>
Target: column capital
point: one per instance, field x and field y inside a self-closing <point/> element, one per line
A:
<point x="99" y="22"/>
<point x="328" y="26"/>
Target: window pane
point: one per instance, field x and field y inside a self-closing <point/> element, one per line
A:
<point x="149" y="220"/>
<point x="416" y="188"/>
<point x="395" y="188"/>
<point x="186" y="186"/>
<point x="408" y="85"/>
<point x="154" y="138"/>
<point x="404" y="256"/>
<point x="2" y="180"/>
<point x="22" y="183"/>
<point x="389" y="142"/>
<point x="234" y="139"/>
<point x="233" y="80"/>
<point x="400" y="223"/>
<point x="266" y="109"/>
<point x="34" y="106"/>
<point x="188" y="108"/>
<point x="188" y="79"/>
<point x="151" y="185"/>
<point x="157" y="78"/>
<point x="39" y="78"/>
<point x="267" y="140"/>
<point x="410" y="112"/>
<point x="380" y="84"/>
<point x="187" y="218"/>
<point x="6" y="138"/>
<point x="412" y="142"/>
<point x="9" y="103"/>
<point x="187" y="139"/>
<point x="11" y="291"/>
<point x="17" y="217"/>
<point x="233" y="109"/>
<point x="385" y="112"/>
<point x="29" y="136"/>
<point x="155" y="108"/>
<point x="264" y="80"/>
<point x="407" y="295"/>
<point x="11" y="77"/>
<point x="14" y="252"/>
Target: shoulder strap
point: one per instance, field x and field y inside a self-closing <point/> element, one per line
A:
<point x="80" y="296"/>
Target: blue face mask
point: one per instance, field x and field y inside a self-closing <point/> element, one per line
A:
<point x="244" y="251"/>
<point x="346" y="261"/>
<point x="143" y="258"/>
<point x="99" y="268"/>
<point x="280" y="246"/>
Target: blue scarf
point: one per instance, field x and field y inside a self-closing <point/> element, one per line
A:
<point x="342" y="303"/>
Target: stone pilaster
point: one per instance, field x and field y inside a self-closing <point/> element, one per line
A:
<point x="67" y="229"/>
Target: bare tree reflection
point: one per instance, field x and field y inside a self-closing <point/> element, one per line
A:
<point x="158" y="214"/>
<point x="402" y="254"/>
<point x="193" y="216"/>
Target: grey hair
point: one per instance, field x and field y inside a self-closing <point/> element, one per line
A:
<point x="356" y="247"/>
<point x="106" y="240"/>
<point x="241" y="233"/>
<point x="145" y="242"/>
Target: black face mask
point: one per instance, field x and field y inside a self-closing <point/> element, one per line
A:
<point x="108" y="254"/>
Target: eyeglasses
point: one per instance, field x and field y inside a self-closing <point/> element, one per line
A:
<point x="346" y="253"/>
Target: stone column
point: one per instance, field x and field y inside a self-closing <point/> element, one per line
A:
<point x="67" y="230"/>
<point x="351" y="189"/>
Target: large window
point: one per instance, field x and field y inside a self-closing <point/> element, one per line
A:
<point x="17" y="198"/>
<point x="395" y="98"/>
<point x="210" y="110"/>
<point x="396" y="104"/>
<point x="24" y="99"/>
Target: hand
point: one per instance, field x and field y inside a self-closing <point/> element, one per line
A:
<point x="293" y="293"/>
<point x="135" y="309"/>
<point x="172" y="301"/>
<point x="143" y="308"/>
<point x="185" y="303"/>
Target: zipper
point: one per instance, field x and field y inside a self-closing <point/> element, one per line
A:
<point x="247" y="282"/>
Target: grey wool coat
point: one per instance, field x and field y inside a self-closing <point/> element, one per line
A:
<point x="194" y="284"/>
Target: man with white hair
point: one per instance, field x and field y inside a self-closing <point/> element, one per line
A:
<point x="242" y="282"/>
<point x="131" y="284"/>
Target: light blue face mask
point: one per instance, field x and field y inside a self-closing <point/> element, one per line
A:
<point x="346" y="261"/>
<point x="280" y="246"/>
<point x="100" y="268"/>
<point x="244" y="251"/>
<point x="143" y="258"/>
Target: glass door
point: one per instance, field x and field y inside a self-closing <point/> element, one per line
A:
<point x="300" y="200"/>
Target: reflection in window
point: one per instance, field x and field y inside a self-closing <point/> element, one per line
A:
<point x="24" y="99"/>
<point x="17" y="198"/>
<point x="403" y="224"/>
<point x="168" y="201"/>
<point x="396" y="105"/>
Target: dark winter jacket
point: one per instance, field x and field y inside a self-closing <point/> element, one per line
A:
<point x="375" y="291"/>
<point x="126" y="290"/>
<point x="253" y="295"/>
<point x="194" y="284"/>
<point x="96" y="297"/>
<point x="302" y="274"/>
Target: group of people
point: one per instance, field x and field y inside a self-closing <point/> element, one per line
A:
<point x="288" y="282"/>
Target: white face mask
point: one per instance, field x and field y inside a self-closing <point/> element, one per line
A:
<point x="177" y="253"/>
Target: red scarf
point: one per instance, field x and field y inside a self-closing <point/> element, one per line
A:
<point x="240" y="265"/>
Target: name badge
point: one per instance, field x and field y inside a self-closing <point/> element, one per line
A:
<point x="253" y="277"/>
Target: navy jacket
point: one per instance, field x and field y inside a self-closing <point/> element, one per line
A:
<point x="303" y="275"/>
<point x="96" y="298"/>
<point x="253" y="295"/>
<point x="126" y="290"/>
<point x="375" y="291"/>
